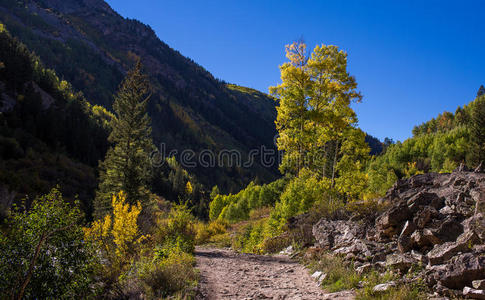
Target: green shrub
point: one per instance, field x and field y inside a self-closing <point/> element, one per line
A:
<point x="205" y="232"/>
<point x="301" y="194"/>
<point x="176" y="231"/>
<point x="235" y="208"/>
<point x="48" y="239"/>
<point x="165" y="276"/>
<point x="406" y="292"/>
<point x="275" y="244"/>
<point x="340" y="274"/>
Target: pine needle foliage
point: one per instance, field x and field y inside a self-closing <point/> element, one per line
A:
<point x="127" y="163"/>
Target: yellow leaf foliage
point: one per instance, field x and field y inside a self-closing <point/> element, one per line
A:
<point x="118" y="233"/>
<point x="188" y="188"/>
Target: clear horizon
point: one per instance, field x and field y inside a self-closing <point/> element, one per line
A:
<point x="411" y="60"/>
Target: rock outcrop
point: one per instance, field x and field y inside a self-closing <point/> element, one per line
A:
<point x="432" y="220"/>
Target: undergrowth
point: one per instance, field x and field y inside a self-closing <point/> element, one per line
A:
<point x="341" y="275"/>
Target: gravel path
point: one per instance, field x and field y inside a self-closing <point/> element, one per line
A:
<point x="225" y="274"/>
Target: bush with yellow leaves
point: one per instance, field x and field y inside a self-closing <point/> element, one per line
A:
<point x="117" y="238"/>
<point x="209" y="232"/>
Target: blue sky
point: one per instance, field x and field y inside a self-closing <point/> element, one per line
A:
<point x="412" y="59"/>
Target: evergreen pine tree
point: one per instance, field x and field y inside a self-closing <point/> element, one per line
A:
<point x="481" y="91"/>
<point x="127" y="164"/>
<point x="477" y="131"/>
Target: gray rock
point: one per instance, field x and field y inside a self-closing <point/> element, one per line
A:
<point x="365" y="268"/>
<point x="383" y="287"/>
<point x="336" y="234"/>
<point x="424" y="215"/>
<point x="317" y="274"/>
<point x="287" y="251"/>
<point x="442" y="253"/>
<point x="359" y="247"/>
<point x="462" y="270"/>
<point x="480" y="168"/>
<point x="404" y="243"/>
<point x="473" y="293"/>
<point x="446" y="210"/>
<point x="476" y="223"/>
<point x="391" y="221"/>
<point x="342" y="295"/>
<point x="449" y="228"/>
<point x="433" y="274"/>
<point x="432" y="219"/>
<point x="479" y="284"/>
<point x="419" y="257"/>
<point x="424" y="239"/>
<point x="319" y="277"/>
<point x="401" y="262"/>
<point x="425" y="199"/>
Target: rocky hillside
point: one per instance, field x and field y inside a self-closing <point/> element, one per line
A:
<point x="92" y="46"/>
<point x="433" y="230"/>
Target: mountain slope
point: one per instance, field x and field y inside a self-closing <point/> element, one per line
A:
<point x="438" y="145"/>
<point x="49" y="134"/>
<point x="92" y="46"/>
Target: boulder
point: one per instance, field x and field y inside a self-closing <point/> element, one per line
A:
<point x="433" y="274"/>
<point x="423" y="216"/>
<point x="473" y="293"/>
<point x="365" y="268"/>
<point x="425" y="199"/>
<point x="450" y="228"/>
<point x="424" y="239"/>
<point x="402" y="262"/>
<point x="479" y="284"/>
<point x="383" y="287"/>
<point x="442" y="253"/>
<point x="391" y="221"/>
<point x="477" y="224"/>
<point x="358" y="247"/>
<point x="462" y="270"/>
<point x="446" y="210"/>
<point x="479" y="249"/>
<point x="436" y="220"/>
<point x="319" y="277"/>
<point x="419" y="257"/>
<point x="404" y="243"/>
<point x="333" y="234"/>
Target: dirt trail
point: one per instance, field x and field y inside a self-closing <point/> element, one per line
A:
<point x="225" y="274"/>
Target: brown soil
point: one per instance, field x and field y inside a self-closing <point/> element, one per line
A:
<point x="226" y="274"/>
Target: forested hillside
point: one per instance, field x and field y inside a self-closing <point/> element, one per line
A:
<point x="91" y="46"/>
<point x="439" y="145"/>
<point x="51" y="140"/>
<point x="49" y="134"/>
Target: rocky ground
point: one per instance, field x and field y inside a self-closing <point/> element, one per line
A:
<point x="429" y="228"/>
<point x="225" y="274"/>
<point x="432" y="222"/>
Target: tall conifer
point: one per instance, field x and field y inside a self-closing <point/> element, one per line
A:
<point x="477" y="131"/>
<point x="127" y="164"/>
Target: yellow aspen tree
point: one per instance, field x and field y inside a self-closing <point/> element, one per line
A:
<point x="314" y="110"/>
